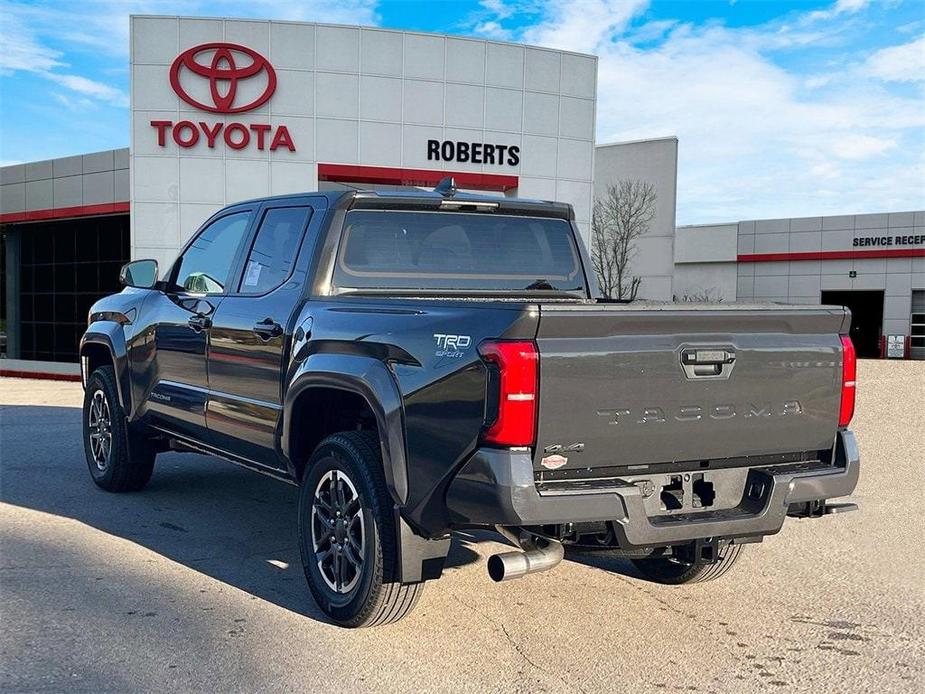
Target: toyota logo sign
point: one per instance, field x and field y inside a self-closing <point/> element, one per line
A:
<point x="223" y="73"/>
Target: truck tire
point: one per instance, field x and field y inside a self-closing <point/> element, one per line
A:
<point x="671" y="572"/>
<point x="119" y="460"/>
<point x="347" y="534"/>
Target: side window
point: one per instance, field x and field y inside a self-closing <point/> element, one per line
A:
<point x="206" y="265"/>
<point x="275" y="249"/>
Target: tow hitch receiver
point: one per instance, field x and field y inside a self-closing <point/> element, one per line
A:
<point x="704" y="551"/>
<point x="817" y="509"/>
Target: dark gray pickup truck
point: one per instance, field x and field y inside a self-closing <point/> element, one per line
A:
<point x="426" y="362"/>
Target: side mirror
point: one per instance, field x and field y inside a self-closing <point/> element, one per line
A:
<point x="139" y="273"/>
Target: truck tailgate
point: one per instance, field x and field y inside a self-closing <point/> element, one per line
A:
<point x="628" y="385"/>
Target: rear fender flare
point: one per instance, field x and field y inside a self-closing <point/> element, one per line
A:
<point x="110" y="335"/>
<point x="372" y="380"/>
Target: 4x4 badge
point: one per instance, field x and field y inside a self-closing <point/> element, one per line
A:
<point x="576" y="447"/>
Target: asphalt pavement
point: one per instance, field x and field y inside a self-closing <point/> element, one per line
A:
<point x="195" y="584"/>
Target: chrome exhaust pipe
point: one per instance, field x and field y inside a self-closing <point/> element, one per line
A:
<point x="540" y="554"/>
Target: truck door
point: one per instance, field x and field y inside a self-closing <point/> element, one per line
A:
<point x="251" y="335"/>
<point x="173" y="367"/>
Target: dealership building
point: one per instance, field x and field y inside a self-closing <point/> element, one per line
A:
<point x="872" y="263"/>
<point x="226" y="110"/>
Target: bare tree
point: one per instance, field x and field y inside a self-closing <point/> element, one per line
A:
<point x="619" y="218"/>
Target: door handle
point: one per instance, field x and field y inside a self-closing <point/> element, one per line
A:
<point x="199" y="323"/>
<point x="708" y="363"/>
<point x="267" y="329"/>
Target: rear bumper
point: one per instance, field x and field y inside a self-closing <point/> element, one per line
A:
<point x="496" y="487"/>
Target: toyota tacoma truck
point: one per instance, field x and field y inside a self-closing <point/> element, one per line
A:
<point x="425" y="362"/>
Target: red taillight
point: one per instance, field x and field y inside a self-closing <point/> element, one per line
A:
<point x="849" y="371"/>
<point x="515" y="423"/>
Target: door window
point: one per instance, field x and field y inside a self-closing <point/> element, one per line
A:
<point x="275" y="248"/>
<point x="205" y="267"/>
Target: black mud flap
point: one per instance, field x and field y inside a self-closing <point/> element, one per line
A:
<point x="420" y="559"/>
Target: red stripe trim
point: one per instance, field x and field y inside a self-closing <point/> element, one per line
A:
<point x="348" y="173"/>
<point x="65" y="212"/>
<point x="42" y="375"/>
<point x="832" y="255"/>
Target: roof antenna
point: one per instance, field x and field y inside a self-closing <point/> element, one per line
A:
<point x="446" y="187"/>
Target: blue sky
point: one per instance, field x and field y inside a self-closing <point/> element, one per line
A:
<point x="781" y="108"/>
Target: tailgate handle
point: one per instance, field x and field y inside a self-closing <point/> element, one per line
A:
<point x="699" y="362"/>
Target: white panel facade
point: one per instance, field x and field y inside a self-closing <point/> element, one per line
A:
<point x="869" y="252"/>
<point x="705" y="263"/>
<point x="796" y="260"/>
<point x="823" y="238"/>
<point x="345" y="95"/>
<point x="89" y="180"/>
<point x="705" y="282"/>
<point x="650" y="161"/>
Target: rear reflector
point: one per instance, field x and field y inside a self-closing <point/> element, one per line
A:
<point x="849" y="371"/>
<point x="515" y="423"/>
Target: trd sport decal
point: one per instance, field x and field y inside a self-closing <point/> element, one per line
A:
<point x="452" y="346"/>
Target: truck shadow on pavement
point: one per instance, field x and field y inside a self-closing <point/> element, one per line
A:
<point x="232" y="524"/>
<point x="614" y="565"/>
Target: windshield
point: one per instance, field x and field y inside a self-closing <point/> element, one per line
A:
<point x="457" y="251"/>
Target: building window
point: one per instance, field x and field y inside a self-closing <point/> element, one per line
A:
<point x="2" y="293"/>
<point x="918" y="324"/>
<point x="65" y="267"/>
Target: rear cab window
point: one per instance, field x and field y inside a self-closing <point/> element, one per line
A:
<point x="458" y="252"/>
<point x="274" y="250"/>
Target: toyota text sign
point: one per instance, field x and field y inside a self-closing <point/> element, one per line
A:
<point x="223" y="78"/>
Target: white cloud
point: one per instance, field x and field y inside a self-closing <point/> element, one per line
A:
<point x="825" y="170"/>
<point x="817" y="81"/>
<point x="840" y="7"/>
<point x="582" y="26"/>
<point x="862" y="146"/>
<point x="653" y="31"/>
<point x="498" y="8"/>
<point x="903" y="63"/>
<point x="74" y="104"/>
<point x="21" y="50"/>
<point x="25" y="51"/>
<point x="758" y="136"/>
<point x="753" y="140"/>
<point x="493" y="30"/>
<point x="850" y="5"/>
<point x="89" y="88"/>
